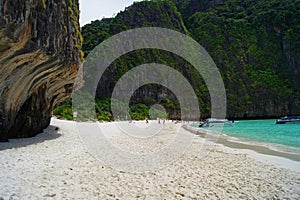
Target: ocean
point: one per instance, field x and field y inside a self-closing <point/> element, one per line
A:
<point x="266" y="131"/>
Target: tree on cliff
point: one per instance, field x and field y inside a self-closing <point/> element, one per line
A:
<point x="255" y="45"/>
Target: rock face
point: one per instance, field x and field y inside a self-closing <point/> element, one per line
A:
<point x="256" y="47"/>
<point x="39" y="59"/>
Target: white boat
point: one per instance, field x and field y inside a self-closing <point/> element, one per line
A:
<point x="216" y="122"/>
<point x="289" y="120"/>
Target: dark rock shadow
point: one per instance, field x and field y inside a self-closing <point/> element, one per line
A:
<point x="50" y="133"/>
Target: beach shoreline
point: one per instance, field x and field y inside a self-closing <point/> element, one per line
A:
<point x="286" y="157"/>
<point x="57" y="165"/>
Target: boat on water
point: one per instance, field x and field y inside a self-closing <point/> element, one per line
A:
<point x="216" y="122"/>
<point x="289" y="120"/>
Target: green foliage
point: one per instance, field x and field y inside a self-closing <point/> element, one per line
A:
<point x="83" y="104"/>
<point x="95" y="33"/>
<point x="254" y="44"/>
<point x="64" y="110"/>
<point x="104" y="112"/>
<point x="139" y="112"/>
<point x="103" y="109"/>
<point x="156" y="113"/>
<point x="246" y="38"/>
<point x="136" y="16"/>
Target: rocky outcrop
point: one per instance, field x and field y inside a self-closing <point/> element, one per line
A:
<point x="39" y="59"/>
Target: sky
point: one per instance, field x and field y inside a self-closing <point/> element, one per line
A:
<point x="91" y="10"/>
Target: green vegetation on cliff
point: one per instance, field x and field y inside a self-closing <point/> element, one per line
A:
<point x="104" y="113"/>
<point x="255" y="45"/>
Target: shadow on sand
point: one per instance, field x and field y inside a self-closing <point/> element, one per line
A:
<point x="50" y="133"/>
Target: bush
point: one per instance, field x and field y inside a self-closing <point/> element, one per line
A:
<point x="64" y="110"/>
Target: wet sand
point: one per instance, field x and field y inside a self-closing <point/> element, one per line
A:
<point x="291" y="154"/>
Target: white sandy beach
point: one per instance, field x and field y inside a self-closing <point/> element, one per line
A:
<point x="58" y="165"/>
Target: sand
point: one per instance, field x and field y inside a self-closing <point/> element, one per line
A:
<point x="59" y="165"/>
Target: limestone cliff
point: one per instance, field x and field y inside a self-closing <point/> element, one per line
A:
<point x="39" y="58"/>
<point x="255" y="45"/>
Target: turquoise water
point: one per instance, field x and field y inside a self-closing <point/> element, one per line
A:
<point x="265" y="131"/>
